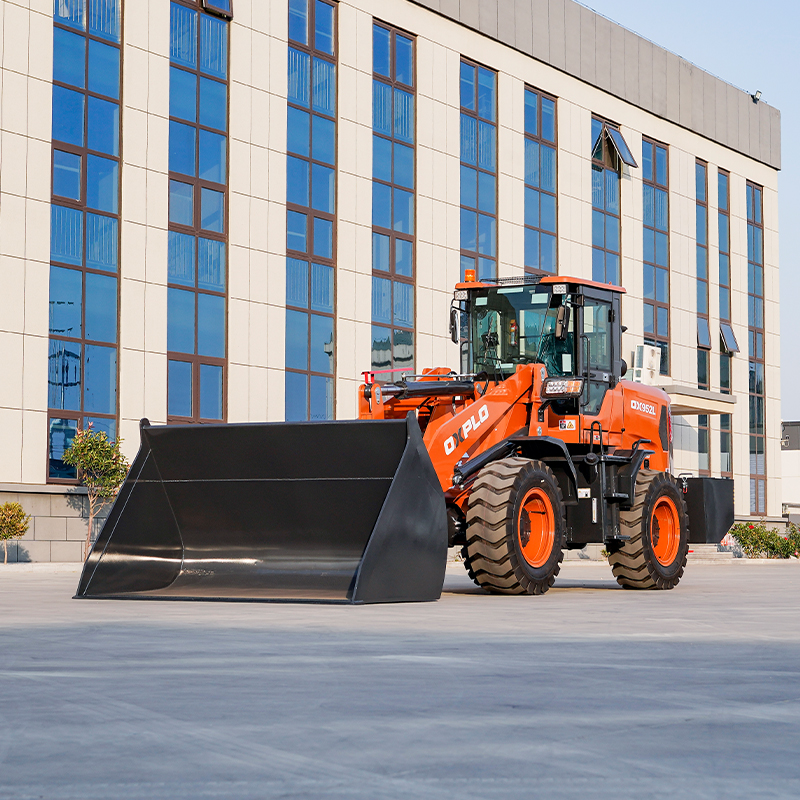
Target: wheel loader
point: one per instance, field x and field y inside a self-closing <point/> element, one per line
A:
<point x="535" y="446"/>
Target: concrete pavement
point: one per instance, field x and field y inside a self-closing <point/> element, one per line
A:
<point x="589" y="691"/>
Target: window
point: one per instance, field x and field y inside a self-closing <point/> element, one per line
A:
<point x="478" y="170"/>
<point x="727" y="339"/>
<point x="540" y="183"/>
<point x="198" y="200"/>
<point x="84" y="230"/>
<point x="393" y="199"/>
<point x="606" y="165"/>
<point x="701" y="241"/>
<point x="703" y="436"/>
<point x="655" y="193"/>
<point x="311" y="210"/>
<point x="725" y="446"/>
<point x="755" y="333"/>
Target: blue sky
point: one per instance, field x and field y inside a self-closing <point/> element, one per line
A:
<point x="753" y="46"/>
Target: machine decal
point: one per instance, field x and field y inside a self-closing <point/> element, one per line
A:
<point x="567" y="425"/>
<point x="462" y="434"/>
<point x="645" y="408"/>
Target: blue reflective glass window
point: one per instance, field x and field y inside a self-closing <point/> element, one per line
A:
<point x="99" y="379"/>
<point x="404" y="60"/>
<point x="104" y="424"/>
<point x="548" y="120"/>
<point x="180" y="320"/>
<point x="487" y="268"/>
<point x="548" y="253"/>
<point x="486" y="234"/>
<point x="299" y="77"/>
<point x="180" y="259"/>
<point x="702" y="265"/>
<point x="598" y="228"/>
<point x="323" y="139"/>
<point x="382" y="158"/>
<point x="213" y="46"/>
<point x="296" y="231"/>
<point x="404" y="258"/>
<point x="649" y="290"/>
<point x="381" y="300"/>
<point x="211" y="325"/>
<point x="468" y="86"/>
<point x="381" y="51"/>
<point x="298" y="21"/>
<point x="403" y="304"/>
<point x="531" y="113"/>
<point x="382" y="108"/>
<point x="466" y="263"/>
<point x="104" y="18"/>
<point x="297" y="137"/>
<point x="661" y="209"/>
<point x="662" y="247"/>
<point x="487" y="150"/>
<point x="548" y="175"/>
<point x="104" y="69"/>
<point x="469" y="230"/>
<point x="321" y="397"/>
<point x="323" y="27"/>
<point x="102" y="183"/>
<point x="296" y="282"/>
<point x="663" y="321"/>
<point x="647" y="161"/>
<point x="182" y="94"/>
<point x="71" y="12"/>
<point x="66" y="235"/>
<point x="103" y="126"/>
<point x="181" y="203"/>
<point x="66" y="175"/>
<point x="322" y="188"/>
<point x="212" y="156"/>
<point x="649" y="319"/>
<point x="404" y="165"/>
<point x="213" y="104"/>
<point x="612" y="191"/>
<point x="61" y="434"/>
<point x="296" y="339"/>
<point x="649" y="248"/>
<point x="101" y="307"/>
<point x="612" y="229"/>
<point x="182" y="148"/>
<point x="380" y="252"/>
<point x="324" y="87"/>
<point x="101" y="242"/>
<point x="403" y="216"/>
<point x="211" y="264"/>
<point x="381" y="205"/>
<point x="64" y="375"/>
<point x="598" y="266"/>
<point x="487" y="192"/>
<point x="531" y="162"/>
<point x="700" y="219"/>
<point x="210" y="391"/>
<point x="69" y="57"/>
<point x="321" y="288"/>
<point x="486" y="94"/>
<point x="532" y="207"/>
<point x="404" y="115"/>
<point x="296" y="181"/>
<point x="321" y="344"/>
<point x="323" y="238"/>
<point x="548" y="215"/>
<point x="66" y="298"/>
<point x="296" y="397"/>
<point x="212" y="210"/>
<point x="68" y="116"/>
<point x="661" y="166"/>
<point x="648" y="211"/>
<point x="179" y="402"/>
<point x="381" y="348"/>
<point x="469" y="187"/>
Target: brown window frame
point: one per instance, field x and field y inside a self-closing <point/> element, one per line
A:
<point x="703" y="350"/>
<point x="608" y="160"/>
<point x="724" y="218"/>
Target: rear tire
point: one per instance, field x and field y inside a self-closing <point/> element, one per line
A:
<point x="657" y="523"/>
<point x="515" y="527"/>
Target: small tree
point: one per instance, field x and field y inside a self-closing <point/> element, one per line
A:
<point x="13" y="524"/>
<point x="101" y="469"/>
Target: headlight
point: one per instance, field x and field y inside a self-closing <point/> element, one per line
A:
<point x="562" y="387"/>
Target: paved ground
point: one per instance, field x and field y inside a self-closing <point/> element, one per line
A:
<point x="589" y="691"/>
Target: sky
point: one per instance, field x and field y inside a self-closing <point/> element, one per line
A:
<point x="754" y="46"/>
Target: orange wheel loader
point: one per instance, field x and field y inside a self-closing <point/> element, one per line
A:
<point x="537" y="445"/>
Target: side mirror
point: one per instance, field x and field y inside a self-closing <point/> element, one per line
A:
<point x="623" y="368"/>
<point x="454" y="337"/>
<point x="562" y="323"/>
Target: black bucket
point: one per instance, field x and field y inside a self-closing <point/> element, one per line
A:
<point x="319" y="511"/>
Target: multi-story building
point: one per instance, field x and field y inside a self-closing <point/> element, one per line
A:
<point x="224" y="210"/>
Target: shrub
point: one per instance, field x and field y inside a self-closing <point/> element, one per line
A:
<point x="13" y="524"/>
<point x="757" y="541"/>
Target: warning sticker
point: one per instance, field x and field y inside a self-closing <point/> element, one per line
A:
<point x="567" y="425"/>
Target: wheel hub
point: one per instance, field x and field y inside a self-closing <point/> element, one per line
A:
<point x="665" y="531"/>
<point x="536" y="527"/>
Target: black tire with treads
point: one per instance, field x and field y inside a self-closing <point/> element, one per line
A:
<point x="635" y="565"/>
<point x="493" y="553"/>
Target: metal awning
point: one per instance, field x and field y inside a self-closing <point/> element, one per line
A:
<point x="688" y="401"/>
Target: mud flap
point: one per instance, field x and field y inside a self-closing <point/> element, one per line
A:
<point x="316" y="511"/>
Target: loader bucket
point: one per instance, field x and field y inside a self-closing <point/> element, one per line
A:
<point x="317" y="511"/>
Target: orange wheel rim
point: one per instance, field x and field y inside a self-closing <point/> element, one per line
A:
<point x="665" y="531"/>
<point x="536" y="527"/>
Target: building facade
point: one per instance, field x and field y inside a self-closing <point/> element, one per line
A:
<point x="226" y="210"/>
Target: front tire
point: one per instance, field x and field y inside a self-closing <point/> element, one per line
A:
<point x="515" y="527"/>
<point x="654" y="557"/>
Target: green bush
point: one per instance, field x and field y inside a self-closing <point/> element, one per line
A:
<point x="757" y="541"/>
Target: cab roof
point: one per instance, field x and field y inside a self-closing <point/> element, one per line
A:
<point x="522" y="280"/>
